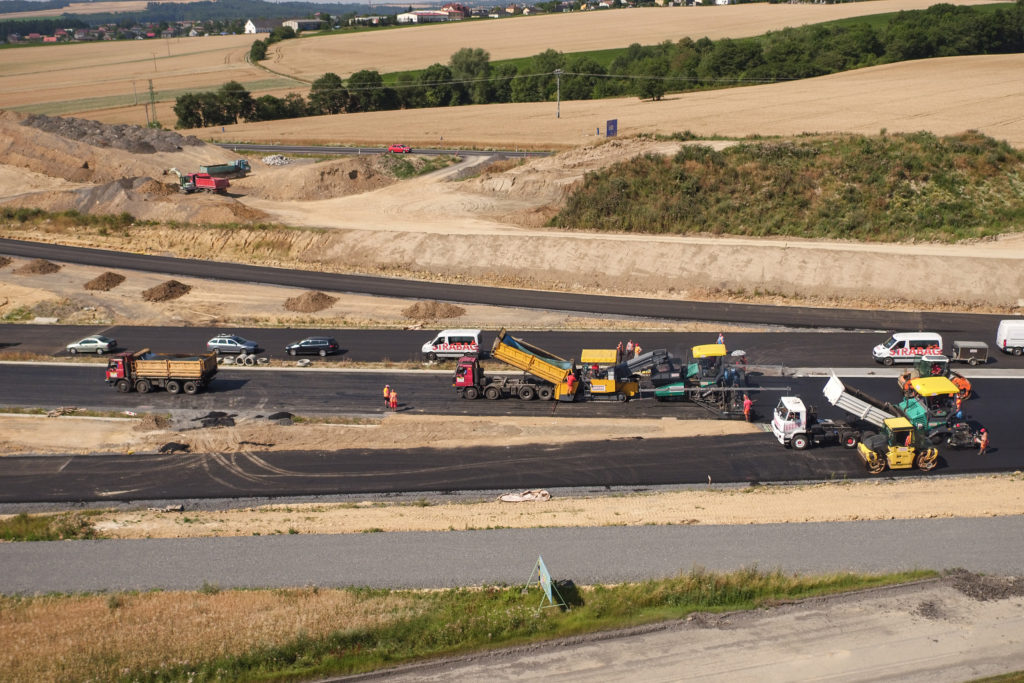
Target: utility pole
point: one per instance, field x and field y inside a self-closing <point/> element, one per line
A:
<point x="152" y="103"/>
<point x="558" y="93"/>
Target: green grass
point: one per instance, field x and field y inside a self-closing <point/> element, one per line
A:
<point x="65" y="526"/>
<point x="452" y="622"/>
<point x="914" y="186"/>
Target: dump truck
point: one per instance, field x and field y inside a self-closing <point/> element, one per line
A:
<point x="857" y="403"/>
<point x="545" y="376"/>
<point x="797" y="426"/>
<point x="200" y="182"/>
<point x="899" y="446"/>
<point x="143" y="371"/>
<point x="239" y="168"/>
<point x="935" y="365"/>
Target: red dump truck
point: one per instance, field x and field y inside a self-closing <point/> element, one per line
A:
<point x="144" y="371"/>
<point x="200" y="182"/>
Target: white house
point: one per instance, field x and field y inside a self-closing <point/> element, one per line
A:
<point x="298" y="25"/>
<point x="253" y="27"/>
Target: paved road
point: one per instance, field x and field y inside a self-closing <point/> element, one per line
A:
<point x="791" y="349"/>
<point x="624" y="462"/>
<point x="466" y="558"/>
<point x="634" y="308"/>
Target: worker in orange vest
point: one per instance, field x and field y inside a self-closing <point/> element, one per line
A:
<point x="982" y="442"/>
<point x="393" y="400"/>
<point x="910" y="440"/>
<point x="748" y="405"/>
<point x="387" y="396"/>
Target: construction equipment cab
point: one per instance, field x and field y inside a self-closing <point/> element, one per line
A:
<point x="706" y="367"/>
<point x="904" y="347"/>
<point x="452" y="344"/>
<point x="898" y="447"/>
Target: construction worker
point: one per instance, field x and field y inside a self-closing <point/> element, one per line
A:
<point x="618" y="353"/>
<point x="748" y="406"/>
<point x="721" y="339"/>
<point x="910" y="440"/>
<point x="570" y="381"/>
<point x="959" y="403"/>
<point x="387" y="396"/>
<point x="629" y="349"/>
<point x="982" y="441"/>
<point x="393" y="400"/>
<point x="637" y="350"/>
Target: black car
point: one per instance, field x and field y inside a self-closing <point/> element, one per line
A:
<point x="318" y="345"/>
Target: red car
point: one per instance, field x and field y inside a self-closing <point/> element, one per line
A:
<point x="400" y="149"/>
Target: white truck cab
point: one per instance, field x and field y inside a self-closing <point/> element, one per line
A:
<point x="1010" y="336"/>
<point x="789" y="419"/>
<point x="452" y="344"/>
<point x="904" y="347"/>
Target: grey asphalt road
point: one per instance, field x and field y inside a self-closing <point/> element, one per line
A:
<point x="507" y="556"/>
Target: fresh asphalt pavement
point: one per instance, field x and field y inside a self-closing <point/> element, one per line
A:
<point x="507" y="556"/>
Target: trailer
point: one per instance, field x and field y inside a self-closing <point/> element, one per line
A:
<point x="239" y="168"/>
<point x="143" y="371"/>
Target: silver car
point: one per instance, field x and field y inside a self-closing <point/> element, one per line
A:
<point x="231" y="343"/>
<point x="97" y="344"/>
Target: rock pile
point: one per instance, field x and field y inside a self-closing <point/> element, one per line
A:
<point x="135" y="139"/>
<point x="276" y="160"/>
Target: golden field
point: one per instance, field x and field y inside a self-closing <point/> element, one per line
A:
<point x="944" y="96"/>
<point x="105" y="77"/>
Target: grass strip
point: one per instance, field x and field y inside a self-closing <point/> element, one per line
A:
<point x="307" y="633"/>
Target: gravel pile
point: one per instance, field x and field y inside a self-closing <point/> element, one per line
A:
<point x="276" y="160"/>
<point x="135" y="139"/>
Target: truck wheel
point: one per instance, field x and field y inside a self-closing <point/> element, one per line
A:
<point x="431" y="357"/>
<point x="143" y="386"/>
<point x="620" y="397"/>
<point x="173" y="387"/>
<point x="190" y="387"/>
<point x="492" y="393"/>
<point x="849" y="441"/>
<point x="124" y="386"/>
<point x="471" y="393"/>
<point x="545" y="393"/>
<point x="799" y="442"/>
<point x="887" y="362"/>
<point x="527" y="393"/>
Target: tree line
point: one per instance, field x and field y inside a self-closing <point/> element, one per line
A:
<point x="648" y="72"/>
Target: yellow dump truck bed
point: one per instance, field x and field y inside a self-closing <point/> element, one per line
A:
<point x="528" y="362"/>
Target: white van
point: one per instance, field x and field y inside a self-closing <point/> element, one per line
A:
<point x="452" y="344"/>
<point x="1010" y="336"/>
<point x="904" y="347"/>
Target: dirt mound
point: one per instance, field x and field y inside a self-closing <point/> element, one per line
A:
<point x="154" y="187"/>
<point x="166" y="291"/>
<point x="105" y="282"/>
<point x="433" y="310"/>
<point x="38" y="267"/>
<point x="5" y="261"/>
<point x="150" y="423"/>
<point x="310" y="302"/>
<point x="323" y="180"/>
<point x="134" y="139"/>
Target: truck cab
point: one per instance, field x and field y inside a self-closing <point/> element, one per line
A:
<point x="117" y="367"/>
<point x="789" y="422"/>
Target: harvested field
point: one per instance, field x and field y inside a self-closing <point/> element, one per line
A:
<point x="38" y="267"/>
<point x="433" y="310"/>
<point x="309" y="302"/>
<point x="112" y="76"/>
<point x="104" y="282"/>
<point x="903" y="97"/>
<point x="167" y="291"/>
<point x="418" y="47"/>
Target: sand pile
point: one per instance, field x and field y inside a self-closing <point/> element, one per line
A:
<point x="38" y="267"/>
<point x="156" y="188"/>
<point x="5" y="261"/>
<point x="151" y="422"/>
<point x="166" y="291"/>
<point x="105" y="282"/>
<point x="433" y="310"/>
<point x="310" y="302"/>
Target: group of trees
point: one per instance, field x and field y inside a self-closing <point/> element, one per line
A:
<point x="651" y="71"/>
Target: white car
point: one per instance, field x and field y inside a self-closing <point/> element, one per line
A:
<point x="97" y="344"/>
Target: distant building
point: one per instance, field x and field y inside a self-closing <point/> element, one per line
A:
<point x="262" y="27"/>
<point x="298" y="25"/>
<point x="424" y="17"/>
